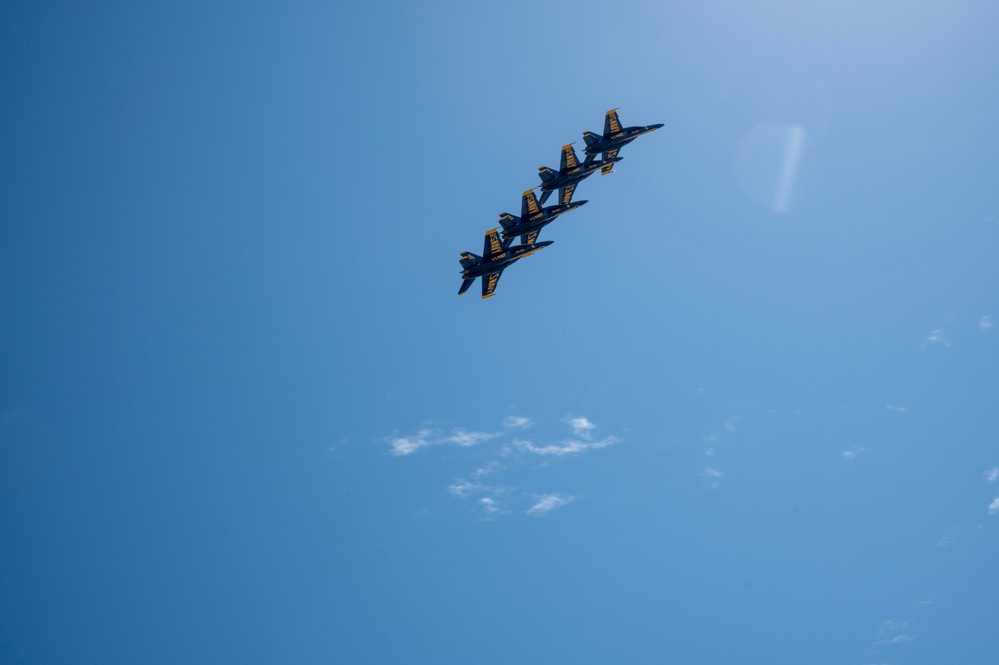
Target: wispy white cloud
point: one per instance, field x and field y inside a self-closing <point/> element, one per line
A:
<point x="853" y="452"/>
<point x="491" y="507"/>
<point x="499" y="454"/>
<point x="712" y="476"/>
<point x="490" y="467"/>
<point x="938" y="336"/>
<point x="897" y="409"/>
<point x="547" y="503"/>
<point x="984" y="323"/>
<point x="571" y="447"/>
<point x="945" y="541"/>
<point x="992" y="474"/>
<point x="994" y="506"/>
<point x="517" y="422"/>
<point x="407" y="445"/>
<point x="460" y="437"/>
<point x="894" y="631"/>
<point x="581" y="426"/>
<point x="464" y="488"/>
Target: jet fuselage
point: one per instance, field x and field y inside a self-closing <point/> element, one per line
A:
<point x="575" y="174"/>
<point x="538" y="220"/>
<point x="619" y="140"/>
<point x="503" y="260"/>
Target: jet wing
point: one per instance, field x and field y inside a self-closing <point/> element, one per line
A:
<point x="489" y="283"/>
<point x="609" y="168"/>
<point x="569" y="160"/>
<point x="529" y="238"/>
<point x="492" y="246"/>
<point x="465" y="283"/>
<point x="565" y="194"/>
<point x="611" y="124"/>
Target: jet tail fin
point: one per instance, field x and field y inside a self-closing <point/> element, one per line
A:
<point x="468" y="259"/>
<point x="592" y="138"/>
<point x="546" y="173"/>
<point x="528" y="204"/>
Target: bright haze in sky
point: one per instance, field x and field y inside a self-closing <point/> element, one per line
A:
<point x="744" y="409"/>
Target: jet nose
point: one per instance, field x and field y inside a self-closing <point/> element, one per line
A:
<point x="539" y="245"/>
<point x="580" y="203"/>
<point x="661" y="124"/>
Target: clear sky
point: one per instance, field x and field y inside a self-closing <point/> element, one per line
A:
<point x="745" y="409"/>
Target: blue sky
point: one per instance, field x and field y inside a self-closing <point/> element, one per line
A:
<point x="744" y="408"/>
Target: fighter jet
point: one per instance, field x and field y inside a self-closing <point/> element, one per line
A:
<point x="569" y="174"/>
<point x="532" y="219"/>
<point x="494" y="261"/>
<point x="613" y="140"/>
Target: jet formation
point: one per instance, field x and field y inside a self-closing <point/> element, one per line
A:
<point x="499" y="253"/>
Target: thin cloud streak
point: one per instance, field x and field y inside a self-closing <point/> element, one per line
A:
<point x="407" y="445"/>
<point x="565" y="448"/>
<point x="994" y="506"/>
<point x="712" y="476"/>
<point x="490" y="507"/>
<point x="893" y="631"/>
<point x="481" y="485"/>
<point x="464" y="488"/>
<point x="938" y="336"/>
<point x="548" y="503"/>
<point x="517" y="422"/>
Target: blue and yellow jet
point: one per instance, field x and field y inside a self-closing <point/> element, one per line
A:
<point x="569" y="174"/>
<point x="494" y="260"/>
<point x="615" y="137"/>
<point x="532" y="219"/>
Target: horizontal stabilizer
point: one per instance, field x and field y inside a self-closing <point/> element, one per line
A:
<point x="591" y="138"/>
<point x="546" y="173"/>
<point x="468" y="259"/>
<point x="507" y="220"/>
<point x="465" y="283"/>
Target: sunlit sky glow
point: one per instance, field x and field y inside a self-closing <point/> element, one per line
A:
<point x="743" y="408"/>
